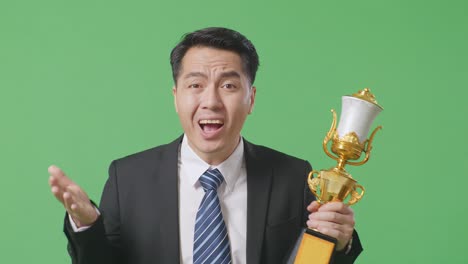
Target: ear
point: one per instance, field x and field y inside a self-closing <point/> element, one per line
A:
<point x="174" y="93"/>
<point x="253" y="91"/>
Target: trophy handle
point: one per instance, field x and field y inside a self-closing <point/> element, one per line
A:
<point x="329" y="136"/>
<point x="314" y="183"/>
<point x="367" y="150"/>
<point x="355" y="196"/>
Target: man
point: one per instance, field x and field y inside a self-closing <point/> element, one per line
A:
<point x="210" y="196"/>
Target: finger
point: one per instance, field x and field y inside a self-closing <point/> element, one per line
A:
<point x="336" y="207"/>
<point x="57" y="188"/>
<point x="71" y="205"/>
<point x="79" y="195"/>
<point x="57" y="193"/>
<point x="72" y="208"/>
<point x="313" y="207"/>
<point x="55" y="171"/>
<point x="345" y="229"/>
<point x="80" y="200"/>
<point x="336" y="233"/>
<point x="346" y="226"/>
<point x="312" y="224"/>
<point x="59" y="176"/>
<point x="68" y="201"/>
<point x="333" y="217"/>
<point x="52" y="180"/>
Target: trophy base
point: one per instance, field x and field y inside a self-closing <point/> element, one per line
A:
<point x="312" y="247"/>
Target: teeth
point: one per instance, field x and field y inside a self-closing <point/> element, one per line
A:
<point x="206" y="121"/>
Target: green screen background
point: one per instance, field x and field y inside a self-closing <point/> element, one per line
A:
<point x="83" y="83"/>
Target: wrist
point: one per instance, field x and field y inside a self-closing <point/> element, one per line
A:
<point x="347" y="247"/>
<point x="88" y="220"/>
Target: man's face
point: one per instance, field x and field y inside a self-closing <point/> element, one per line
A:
<point x="212" y="98"/>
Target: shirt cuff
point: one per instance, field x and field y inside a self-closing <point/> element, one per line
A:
<point x="349" y="246"/>
<point x="83" y="228"/>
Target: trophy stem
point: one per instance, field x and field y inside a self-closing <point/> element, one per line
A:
<point x="341" y="164"/>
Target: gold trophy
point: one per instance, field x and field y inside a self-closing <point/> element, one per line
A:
<point x="336" y="184"/>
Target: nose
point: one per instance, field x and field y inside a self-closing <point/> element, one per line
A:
<point x="211" y="98"/>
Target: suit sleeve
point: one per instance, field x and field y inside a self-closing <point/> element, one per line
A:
<point x="347" y="258"/>
<point x="308" y="196"/>
<point x="101" y="242"/>
<point x="340" y="257"/>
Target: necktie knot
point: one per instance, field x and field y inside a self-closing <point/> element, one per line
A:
<point x="211" y="179"/>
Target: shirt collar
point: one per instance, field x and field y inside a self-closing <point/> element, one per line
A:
<point x="230" y="168"/>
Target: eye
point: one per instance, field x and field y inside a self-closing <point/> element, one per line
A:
<point x="228" y="86"/>
<point x="194" y="85"/>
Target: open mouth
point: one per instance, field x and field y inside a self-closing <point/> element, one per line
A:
<point x="210" y="125"/>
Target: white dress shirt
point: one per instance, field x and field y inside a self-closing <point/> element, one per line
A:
<point x="232" y="195"/>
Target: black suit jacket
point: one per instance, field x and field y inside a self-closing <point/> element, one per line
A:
<point x="139" y="220"/>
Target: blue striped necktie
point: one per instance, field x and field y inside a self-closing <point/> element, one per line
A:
<point x="211" y="241"/>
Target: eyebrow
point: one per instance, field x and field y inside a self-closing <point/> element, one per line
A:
<point x="227" y="74"/>
<point x="230" y="74"/>
<point x="194" y="74"/>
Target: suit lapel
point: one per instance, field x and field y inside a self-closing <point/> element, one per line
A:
<point x="169" y="194"/>
<point x="258" y="194"/>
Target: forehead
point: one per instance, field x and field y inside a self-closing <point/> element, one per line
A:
<point x="209" y="59"/>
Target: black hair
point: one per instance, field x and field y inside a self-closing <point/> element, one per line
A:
<point x="219" y="38"/>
